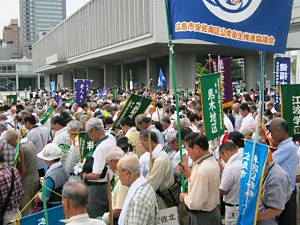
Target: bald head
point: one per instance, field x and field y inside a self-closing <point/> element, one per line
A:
<point x="130" y="163"/>
<point x="279" y="124"/>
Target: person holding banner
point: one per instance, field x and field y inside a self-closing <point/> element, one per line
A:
<point x="161" y="175"/>
<point x="202" y="198"/>
<point x="75" y="198"/>
<point x="96" y="180"/>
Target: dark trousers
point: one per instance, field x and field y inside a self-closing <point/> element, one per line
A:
<point x="288" y="216"/>
<point x="205" y="218"/>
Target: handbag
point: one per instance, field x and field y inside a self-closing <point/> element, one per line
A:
<point x="171" y="195"/>
<point x="36" y="208"/>
<point x="12" y="185"/>
<point x="88" y="167"/>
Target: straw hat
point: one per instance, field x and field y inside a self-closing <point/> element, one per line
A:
<point x="50" y="152"/>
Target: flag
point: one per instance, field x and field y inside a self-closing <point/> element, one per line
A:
<point x="101" y="94"/>
<point x="46" y="115"/>
<point x="17" y="152"/>
<point x="11" y="99"/>
<point x="290" y="109"/>
<point x="253" y="166"/>
<point x="224" y="67"/>
<point x="82" y="89"/>
<point x="134" y="106"/>
<point x="53" y="88"/>
<point x="282" y="74"/>
<point x="257" y="24"/>
<point x="58" y="100"/>
<point x="212" y="105"/>
<point x="161" y="79"/>
<point x="86" y="145"/>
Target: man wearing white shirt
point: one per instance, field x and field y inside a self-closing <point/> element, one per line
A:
<point x="248" y="119"/>
<point x="96" y="180"/>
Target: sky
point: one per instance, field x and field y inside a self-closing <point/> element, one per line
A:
<point x="10" y="10"/>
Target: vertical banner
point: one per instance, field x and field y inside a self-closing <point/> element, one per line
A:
<point x="212" y="105"/>
<point x="11" y="99"/>
<point x="58" y="100"/>
<point x="224" y="67"/>
<point x="46" y="115"/>
<point x="282" y="74"/>
<point x="53" y="88"/>
<point x="116" y="92"/>
<point x="86" y="145"/>
<point x="101" y="94"/>
<point x="253" y="166"/>
<point x="82" y="89"/>
<point x="290" y="108"/>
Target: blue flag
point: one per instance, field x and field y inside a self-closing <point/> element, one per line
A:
<point x="53" y="88"/>
<point x="101" y="94"/>
<point x="82" y="89"/>
<point x="58" y="99"/>
<point x="161" y="80"/>
<point x="254" y="24"/>
<point x="253" y="166"/>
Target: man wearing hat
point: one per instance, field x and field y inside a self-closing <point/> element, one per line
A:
<point x="56" y="175"/>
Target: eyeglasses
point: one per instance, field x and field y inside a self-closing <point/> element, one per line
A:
<point x="124" y="170"/>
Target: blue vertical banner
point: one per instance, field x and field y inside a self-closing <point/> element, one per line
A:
<point x="282" y="74"/>
<point x="58" y="100"/>
<point x="253" y="166"/>
<point x="82" y="89"/>
<point x="53" y="88"/>
<point x="101" y="93"/>
<point x="253" y="24"/>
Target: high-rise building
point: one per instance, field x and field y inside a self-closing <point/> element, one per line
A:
<point x="11" y="36"/>
<point x="38" y="16"/>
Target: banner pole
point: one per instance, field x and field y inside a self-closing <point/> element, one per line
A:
<point x="171" y="53"/>
<point x="262" y="82"/>
<point x="150" y="150"/>
<point x="111" y="216"/>
<point x="44" y="202"/>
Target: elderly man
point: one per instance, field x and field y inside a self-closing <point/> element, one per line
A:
<point x="27" y="167"/>
<point x="286" y="157"/>
<point x="96" y="180"/>
<point x="144" y="123"/>
<point x="161" y="175"/>
<point x="8" y="150"/>
<point x="74" y="200"/>
<point x="230" y="182"/>
<point x="119" y="191"/>
<point x="9" y="205"/>
<point x="202" y="199"/>
<point x="38" y="138"/>
<point x="140" y="205"/>
<point x="127" y="126"/>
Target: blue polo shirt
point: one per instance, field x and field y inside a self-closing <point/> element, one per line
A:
<point x="286" y="157"/>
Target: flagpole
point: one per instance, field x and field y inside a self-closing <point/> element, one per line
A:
<point x="171" y="53"/>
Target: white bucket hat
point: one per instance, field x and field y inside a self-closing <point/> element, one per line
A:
<point x="50" y="152"/>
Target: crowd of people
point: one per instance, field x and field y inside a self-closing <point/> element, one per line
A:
<point x="142" y="160"/>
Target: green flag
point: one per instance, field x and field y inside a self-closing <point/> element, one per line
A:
<point x="11" y="99"/>
<point x="116" y="92"/>
<point x="17" y="152"/>
<point x="70" y="100"/>
<point x="212" y="105"/>
<point x="290" y="100"/>
<point x="134" y="106"/>
<point x="46" y="115"/>
<point x="86" y="145"/>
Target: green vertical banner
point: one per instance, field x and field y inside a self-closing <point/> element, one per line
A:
<point x="212" y="105"/>
<point x="290" y="109"/>
<point x="116" y="92"/>
<point x="86" y="145"/>
<point x="134" y="106"/>
<point x="46" y="115"/>
<point x="11" y="99"/>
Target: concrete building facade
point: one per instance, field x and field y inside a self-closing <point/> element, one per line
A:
<point x="38" y="16"/>
<point x="16" y="74"/>
<point x="105" y="40"/>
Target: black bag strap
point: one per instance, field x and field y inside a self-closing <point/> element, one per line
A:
<point x="9" y="193"/>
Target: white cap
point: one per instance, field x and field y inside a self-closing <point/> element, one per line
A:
<point x="50" y="152"/>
